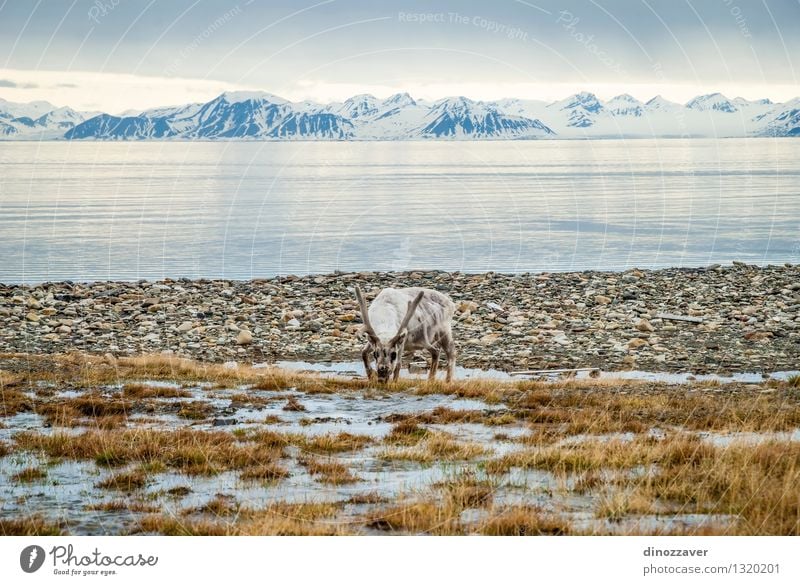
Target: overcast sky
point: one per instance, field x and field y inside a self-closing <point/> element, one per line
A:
<point x="112" y="55"/>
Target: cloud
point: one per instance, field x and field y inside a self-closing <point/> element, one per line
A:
<point x="15" y="85"/>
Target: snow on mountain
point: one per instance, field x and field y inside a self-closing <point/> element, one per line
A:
<point x="658" y="103"/>
<point x="231" y="115"/>
<point x="30" y="110"/>
<point x="625" y="105"/>
<point x="36" y="120"/>
<point x="461" y="117"/>
<point x="712" y="101"/>
<point x="578" y="111"/>
<point x="359" y="106"/>
<point x="783" y="120"/>
<point x="264" y="116"/>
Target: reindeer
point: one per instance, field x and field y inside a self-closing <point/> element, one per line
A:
<point x="406" y="319"/>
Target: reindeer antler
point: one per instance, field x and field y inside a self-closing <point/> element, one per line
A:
<point x="412" y="306"/>
<point x="365" y="314"/>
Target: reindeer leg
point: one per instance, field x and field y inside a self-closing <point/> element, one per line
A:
<point x="367" y="366"/>
<point x="434" y="362"/>
<point x="450" y="351"/>
<point x="397" y="366"/>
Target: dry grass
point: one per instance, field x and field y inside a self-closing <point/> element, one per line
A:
<point x="267" y="472"/>
<point x="126" y="481"/>
<point x="368" y="498"/>
<point x="435" y="447"/>
<point x="407" y="432"/>
<point x="127" y="505"/>
<point x="328" y="471"/>
<point x="466" y="491"/>
<point x="193" y="452"/>
<point x="522" y="521"/>
<point x="293" y="405"/>
<point x="755" y="483"/>
<point x="13" y="402"/>
<point x="29" y="475"/>
<point x="147" y="391"/>
<point x="332" y="443"/>
<point x="196" y="410"/>
<point x="219" y="505"/>
<point x="29" y="526"/>
<point x="617" y="505"/>
<point x="279" y="519"/>
<point x="416" y="518"/>
<point x="595" y="454"/>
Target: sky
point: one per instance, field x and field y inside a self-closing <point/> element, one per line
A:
<point x="118" y="55"/>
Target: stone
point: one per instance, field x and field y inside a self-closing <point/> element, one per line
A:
<point x="244" y="337"/>
<point x="636" y="343"/>
<point x="644" y="325"/>
<point x="185" y="327"/>
<point x="602" y="300"/>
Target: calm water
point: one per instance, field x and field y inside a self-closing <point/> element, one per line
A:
<point x="97" y="210"/>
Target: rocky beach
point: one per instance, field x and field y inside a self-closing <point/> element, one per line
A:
<point x="723" y="319"/>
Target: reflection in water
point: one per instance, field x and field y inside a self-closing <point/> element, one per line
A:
<point x="95" y="211"/>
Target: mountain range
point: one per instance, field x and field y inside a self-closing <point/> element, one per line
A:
<point x="263" y="116"/>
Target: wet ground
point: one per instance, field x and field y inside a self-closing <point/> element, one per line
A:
<point x="452" y="444"/>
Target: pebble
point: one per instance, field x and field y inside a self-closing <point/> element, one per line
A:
<point x="244" y="337"/>
<point x="751" y="318"/>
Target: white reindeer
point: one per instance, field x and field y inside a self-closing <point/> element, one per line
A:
<point x="407" y="319"/>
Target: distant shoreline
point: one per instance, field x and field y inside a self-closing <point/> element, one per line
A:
<point x="739" y="318"/>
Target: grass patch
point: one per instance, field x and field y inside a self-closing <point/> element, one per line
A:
<point x="435" y="447"/>
<point x="126" y="481"/>
<point x="416" y="518"/>
<point x="328" y="471"/>
<point x="131" y="506"/>
<point x="522" y="521"/>
<point x="268" y="472"/>
<point x="146" y="391"/>
<point x="595" y="454"/>
<point x="332" y="443"/>
<point x="186" y="450"/>
<point x="406" y="432"/>
<point x="196" y="410"/>
<point x="29" y="526"/>
<point x="466" y="491"/>
<point x="29" y="475"/>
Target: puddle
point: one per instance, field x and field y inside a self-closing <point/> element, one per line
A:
<point x="357" y="369"/>
<point x="69" y="490"/>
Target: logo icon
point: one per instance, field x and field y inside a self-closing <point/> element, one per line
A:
<point x="31" y="558"/>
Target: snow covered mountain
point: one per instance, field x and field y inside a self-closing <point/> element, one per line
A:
<point x="36" y="120"/>
<point x="263" y="116"/>
<point x="784" y="120"/>
<point x="232" y="115"/>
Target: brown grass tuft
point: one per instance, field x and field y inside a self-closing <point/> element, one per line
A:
<point x="29" y="475"/>
<point x="523" y="521"/>
<point x="29" y="526"/>
<point x="146" y="391"/>
<point x="328" y="471"/>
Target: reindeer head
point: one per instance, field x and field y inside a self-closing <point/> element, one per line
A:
<point x="387" y="353"/>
